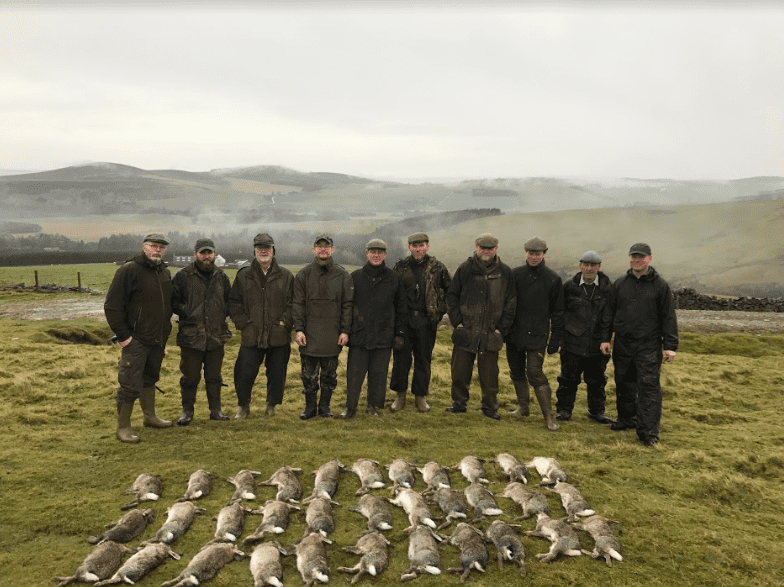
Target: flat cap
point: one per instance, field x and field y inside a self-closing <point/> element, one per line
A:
<point x="156" y="237"/>
<point x="418" y="237"/>
<point x="376" y="243"/>
<point x="535" y="244"/>
<point x="640" y="249"/>
<point x="487" y="241"/>
<point x="591" y="257"/>
<point x="204" y="244"/>
<point x="263" y="240"/>
<point x="325" y="238"/>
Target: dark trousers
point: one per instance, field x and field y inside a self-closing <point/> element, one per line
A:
<point x="575" y="367"/>
<point x="246" y="369"/>
<point x="462" y="369"/>
<point x="418" y="349"/>
<point x="140" y="368"/>
<point x="191" y="363"/>
<point x="371" y="362"/>
<point x="319" y="372"/>
<point x="638" y="393"/>
<point x="526" y="365"/>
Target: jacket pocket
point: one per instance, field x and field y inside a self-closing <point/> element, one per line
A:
<point x="279" y="336"/>
<point x="250" y="335"/>
<point x="574" y="330"/>
<point x="495" y="341"/>
<point x="461" y="337"/>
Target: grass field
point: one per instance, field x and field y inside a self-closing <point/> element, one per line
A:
<point x="703" y="508"/>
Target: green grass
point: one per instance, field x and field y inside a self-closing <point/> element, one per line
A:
<point x="704" y="508"/>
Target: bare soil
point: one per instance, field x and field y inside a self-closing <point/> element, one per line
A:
<point x="708" y="321"/>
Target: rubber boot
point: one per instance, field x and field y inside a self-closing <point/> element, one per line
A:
<point x="214" y="402"/>
<point x="323" y="404"/>
<point x="311" y="409"/>
<point x="399" y="403"/>
<point x="421" y="403"/>
<point x="521" y="389"/>
<point x="147" y="401"/>
<point x="124" y="432"/>
<point x="543" y="394"/>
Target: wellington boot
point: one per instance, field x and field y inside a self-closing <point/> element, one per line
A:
<point x="523" y="398"/>
<point x="543" y="394"/>
<point x="421" y="403"/>
<point x="124" y="432"/>
<point x="147" y="401"/>
<point x="399" y="403"/>
<point x="311" y="408"/>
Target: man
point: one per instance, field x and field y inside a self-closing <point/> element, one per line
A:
<point x="481" y="305"/>
<point x="539" y="312"/>
<point x="201" y="300"/>
<point x="138" y="310"/>
<point x="260" y="306"/>
<point x="323" y="293"/>
<point x="646" y="332"/>
<point x="585" y="299"/>
<point x="377" y="323"/>
<point x="426" y="282"/>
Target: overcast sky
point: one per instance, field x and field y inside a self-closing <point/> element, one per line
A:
<point x="398" y="90"/>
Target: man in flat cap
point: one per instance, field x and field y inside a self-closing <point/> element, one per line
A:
<point x="481" y="306"/>
<point x="138" y="310"/>
<point x="323" y="293"/>
<point x="539" y="313"/>
<point x="377" y="322"/>
<point x="646" y="333"/>
<point x="201" y="300"/>
<point x="426" y="281"/>
<point x="585" y="318"/>
<point x="260" y="305"/>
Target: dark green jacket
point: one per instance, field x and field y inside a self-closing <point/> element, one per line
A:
<point x="202" y="304"/>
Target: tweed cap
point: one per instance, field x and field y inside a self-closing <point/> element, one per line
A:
<point x="640" y="249"/>
<point x="487" y="241"/>
<point x="591" y="257"/>
<point x="204" y="244"/>
<point x="263" y="240"/>
<point x="376" y="243"/>
<point x="418" y="237"/>
<point x="536" y="244"/>
<point x="156" y="237"/>
<point x="325" y="238"/>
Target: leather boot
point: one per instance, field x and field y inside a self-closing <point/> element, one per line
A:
<point x="242" y="412"/>
<point x="147" y="401"/>
<point x="124" y="432"/>
<point x="521" y="389"/>
<point x="186" y="417"/>
<point x="399" y="403"/>
<point x="543" y="394"/>
<point x="214" y="402"/>
<point x="421" y="403"/>
<point x="311" y="409"/>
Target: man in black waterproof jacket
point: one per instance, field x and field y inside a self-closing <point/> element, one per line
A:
<point x="260" y="306"/>
<point x="138" y="310"/>
<point x="481" y="304"/>
<point x="539" y="313"/>
<point x="321" y="311"/>
<point x="377" y="321"/>
<point x="586" y="296"/>
<point x="646" y="333"/>
<point x="426" y="281"/>
<point x="201" y="301"/>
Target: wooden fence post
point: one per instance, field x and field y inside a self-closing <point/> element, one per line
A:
<point x="36" y="279"/>
<point x="79" y="279"/>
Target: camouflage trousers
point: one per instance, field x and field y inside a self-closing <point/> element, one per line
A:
<point x="319" y="372"/>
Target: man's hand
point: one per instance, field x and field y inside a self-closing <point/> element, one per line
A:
<point x="669" y="356"/>
<point x="128" y="340"/>
<point x="300" y="338"/>
<point x="343" y="339"/>
<point x="605" y="348"/>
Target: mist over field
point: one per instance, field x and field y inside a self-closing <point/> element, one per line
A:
<point x="716" y="236"/>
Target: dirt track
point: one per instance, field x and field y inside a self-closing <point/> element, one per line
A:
<point x="688" y="320"/>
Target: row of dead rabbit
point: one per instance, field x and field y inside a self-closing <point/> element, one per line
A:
<point x="104" y="565"/>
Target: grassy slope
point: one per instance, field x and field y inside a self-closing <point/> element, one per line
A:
<point x="693" y="511"/>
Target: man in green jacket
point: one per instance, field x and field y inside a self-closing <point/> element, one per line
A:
<point x="138" y="310"/>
